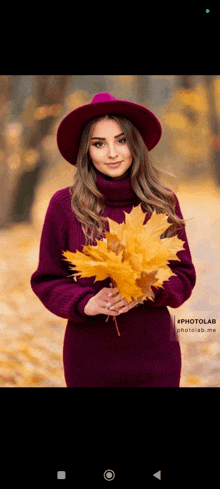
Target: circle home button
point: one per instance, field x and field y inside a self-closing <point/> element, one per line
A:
<point x="109" y="475"/>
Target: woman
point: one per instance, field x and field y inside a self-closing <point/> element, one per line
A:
<point x="109" y="140"/>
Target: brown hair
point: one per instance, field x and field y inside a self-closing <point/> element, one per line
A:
<point x="88" y="203"/>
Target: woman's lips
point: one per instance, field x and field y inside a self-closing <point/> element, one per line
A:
<point x="114" y="164"/>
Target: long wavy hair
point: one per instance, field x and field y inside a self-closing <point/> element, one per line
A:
<point x="88" y="203"/>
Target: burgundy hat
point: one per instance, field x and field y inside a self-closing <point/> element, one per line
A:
<point x="70" y="129"/>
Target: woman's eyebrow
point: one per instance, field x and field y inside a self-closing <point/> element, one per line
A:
<point x="103" y="139"/>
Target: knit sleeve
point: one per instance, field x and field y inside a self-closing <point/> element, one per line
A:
<point x="51" y="281"/>
<point x="178" y="288"/>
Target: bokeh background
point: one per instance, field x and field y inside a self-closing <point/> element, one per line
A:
<point x="32" y="170"/>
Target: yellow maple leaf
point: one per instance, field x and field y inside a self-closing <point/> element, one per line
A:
<point x="131" y="254"/>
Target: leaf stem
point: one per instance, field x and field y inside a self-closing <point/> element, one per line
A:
<point x="115" y="319"/>
<point x="116" y="325"/>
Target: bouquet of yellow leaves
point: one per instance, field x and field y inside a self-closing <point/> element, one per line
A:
<point x="131" y="254"/>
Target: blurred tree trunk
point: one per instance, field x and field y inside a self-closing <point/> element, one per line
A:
<point x="214" y="125"/>
<point x="6" y="183"/>
<point x="185" y="81"/>
<point x="90" y="83"/>
<point x="142" y="82"/>
<point x="48" y="92"/>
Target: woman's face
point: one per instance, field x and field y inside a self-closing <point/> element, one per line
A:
<point x="108" y="145"/>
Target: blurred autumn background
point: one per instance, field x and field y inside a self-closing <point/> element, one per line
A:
<point x="32" y="169"/>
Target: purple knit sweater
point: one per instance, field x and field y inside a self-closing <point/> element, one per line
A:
<point x="62" y="296"/>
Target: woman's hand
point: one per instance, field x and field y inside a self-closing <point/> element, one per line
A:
<point x="108" y="301"/>
<point x="119" y="304"/>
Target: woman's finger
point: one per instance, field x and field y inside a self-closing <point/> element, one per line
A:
<point x="127" y="308"/>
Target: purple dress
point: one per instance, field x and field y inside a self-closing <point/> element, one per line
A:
<point x="147" y="354"/>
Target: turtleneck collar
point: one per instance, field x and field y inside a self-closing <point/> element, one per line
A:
<point x="117" y="193"/>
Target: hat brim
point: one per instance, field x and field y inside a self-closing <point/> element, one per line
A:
<point x="70" y="129"/>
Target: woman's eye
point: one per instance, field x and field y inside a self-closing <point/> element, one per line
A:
<point x="100" y="144"/>
<point x="122" y="140"/>
<point x="97" y="145"/>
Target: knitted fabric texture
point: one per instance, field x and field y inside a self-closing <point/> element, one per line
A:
<point x="145" y="330"/>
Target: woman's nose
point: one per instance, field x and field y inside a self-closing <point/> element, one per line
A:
<point x="112" y="153"/>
